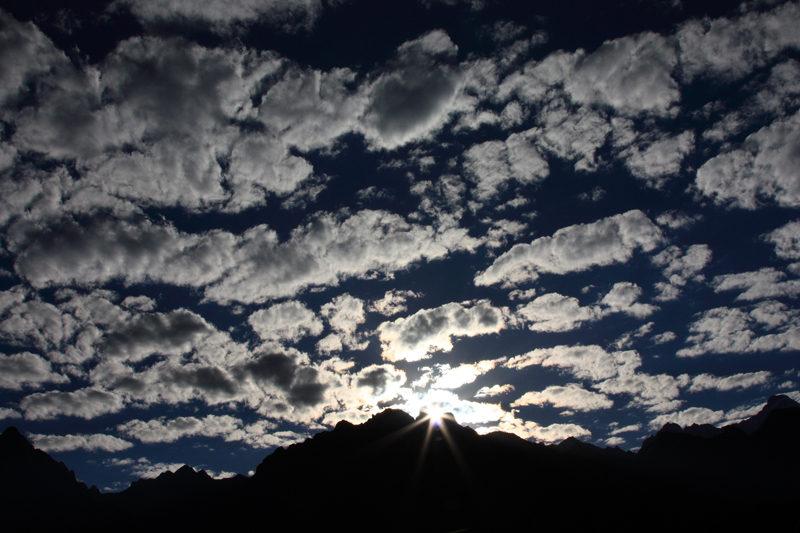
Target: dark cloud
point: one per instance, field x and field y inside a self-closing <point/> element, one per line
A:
<point x="163" y="333"/>
<point x="298" y="382"/>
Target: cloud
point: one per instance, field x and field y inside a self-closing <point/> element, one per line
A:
<point x="27" y="369"/>
<point x="328" y="249"/>
<point x="344" y="313"/>
<point x="764" y="283"/>
<point x="571" y="134"/>
<point x="732" y="48"/>
<point x="220" y="15"/>
<point x="622" y="299"/>
<point x="659" y="159"/>
<point x="630" y="74"/>
<point x="165" y="333"/>
<point x="453" y="378"/>
<point x="571" y="396"/>
<point x="688" y="417"/>
<point x="585" y="362"/>
<point x="287" y="372"/>
<point x="412" y="338"/>
<point x="680" y="267"/>
<point x="737" y="381"/>
<point x="494" y="390"/>
<point x="84" y="403"/>
<point x="527" y="429"/>
<point x="762" y="171"/>
<point x="89" y="443"/>
<point x="626" y="429"/>
<point x="163" y="430"/>
<point x="288" y="321"/>
<point x="393" y="302"/>
<point x="383" y="381"/>
<point x="493" y="163"/>
<point x="413" y="98"/>
<point x="575" y="248"/>
<point x="735" y="330"/>
<point x="555" y="312"/>
<point x="786" y="240"/>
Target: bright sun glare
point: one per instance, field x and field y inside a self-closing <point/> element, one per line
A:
<point x="435" y="414"/>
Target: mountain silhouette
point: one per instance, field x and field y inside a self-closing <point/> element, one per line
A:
<point x="397" y="473"/>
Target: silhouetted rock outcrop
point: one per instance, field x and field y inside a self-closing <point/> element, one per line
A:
<point x="395" y="473"/>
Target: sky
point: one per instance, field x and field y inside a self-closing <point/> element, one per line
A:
<point x="228" y="226"/>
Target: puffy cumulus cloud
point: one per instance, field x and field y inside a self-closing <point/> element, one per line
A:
<point x="663" y="338"/>
<point x="688" y="417"/>
<point x="493" y="163"/>
<point x="626" y="429"/>
<point x="680" y="267"/>
<point x="494" y="390"/>
<point x="171" y="333"/>
<point x="630" y="74"/>
<point x="777" y="96"/>
<point x="133" y="251"/>
<point x="393" y="302"/>
<point x="737" y="381"/>
<point x="344" y="313"/>
<point x="764" y="169"/>
<point x="223" y="16"/>
<point x="330" y="248"/>
<point x="288" y="374"/>
<point x="786" y="240"/>
<point x="657" y="393"/>
<point x="288" y="321"/>
<point x="382" y="382"/>
<point x="555" y="312"/>
<point x="25" y="53"/>
<point x="529" y="430"/>
<point x="677" y="220"/>
<point x="571" y="396"/>
<point x="575" y="248"/>
<point x="622" y="299"/>
<point x="83" y="403"/>
<point x="309" y="109"/>
<point x="89" y="443"/>
<point x="27" y="369"/>
<point x="737" y="330"/>
<point x="571" y="134"/>
<point x="764" y="283"/>
<point x="163" y="430"/>
<point x="657" y="160"/>
<point x="584" y="362"/>
<point x="501" y="230"/>
<point x="732" y="48"/>
<point x="413" y="337"/>
<point x="5" y="413"/>
<point x="414" y="97"/>
<point x="453" y="378"/>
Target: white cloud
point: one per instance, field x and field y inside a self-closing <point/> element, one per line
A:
<point x="622" y="299"/>
<point x="688" y="417"/>
<point x="555" y="312"/>
<point x="585" y="362"/>
<point x="412" y="338"/>
<point x="575" y="248"/>
<point x="415" y="97"/>
<point x="527" y="429"/>
<point x="571" y="396"/>
<point x="626" y="429"/>
<point x="393" y="302"/>
<point x="677" y="220"/>
<point x="330" y="248"/>
<point x="344" y="313"/>
<point x="493" y="163"/>
<point x="171" y="333"/>
<point x="6" y="413"/>
<point x="656" y="161"/>
<point x="630" y="74"/>
<point x="764" y="283"/>
<point x="494" y="390"/>
<point x="762" y="170"/>
<point x="288" y="321"/>
<point x="786" y="240"/>
<point x="89" y="443"/>
<point x="731" y="49"/>
<point x="84" y="403"/>
<point x="27" y="369"/>
<point x="453" y="378"/>
<point x="163" y="430"/>
<point x="680" y="267"/>
<point x="736" y="381"/>
<point x="222" y="15"/>
<point x="570" y="134"/>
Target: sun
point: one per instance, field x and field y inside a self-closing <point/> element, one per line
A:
<point x="435" y="414"/>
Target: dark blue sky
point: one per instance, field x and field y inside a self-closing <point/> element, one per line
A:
<point x="227" y="227"/>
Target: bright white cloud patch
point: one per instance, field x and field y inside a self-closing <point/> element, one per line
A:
<point x="575" y="248"/>
<point x="26" y="369"/>
<point x="555" y="312"/>
<point x="412" y="338"/>
<point x="289" y="321"/>
<point x="89" y="443"/>
<point x="83" y="403"/>
<point x="571" y="396"/>
<point x="737" y="381"/>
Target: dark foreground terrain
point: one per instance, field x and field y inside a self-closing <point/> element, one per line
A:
<point x="395" y="473"/>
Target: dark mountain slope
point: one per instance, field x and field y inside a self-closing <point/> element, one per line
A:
<point x="394" y="473"/>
